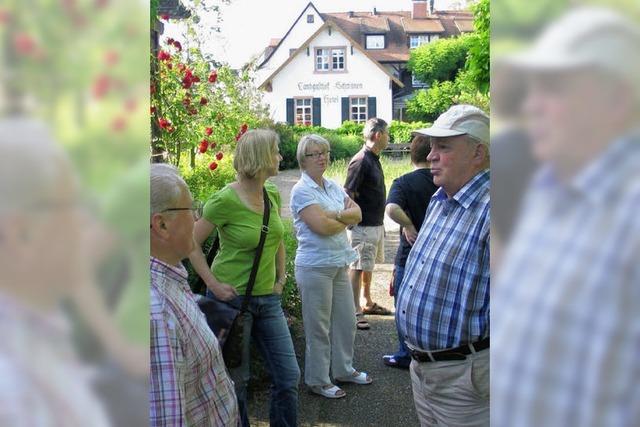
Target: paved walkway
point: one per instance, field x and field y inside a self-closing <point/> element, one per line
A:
<point x="386" y="402"/>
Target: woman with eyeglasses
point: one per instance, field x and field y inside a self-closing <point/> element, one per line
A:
<point x="322" y="210"/>
<point x="236" y="212"/>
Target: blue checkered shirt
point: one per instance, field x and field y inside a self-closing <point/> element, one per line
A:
<point x="444" y="297"/>
<point x="566" y="301"/>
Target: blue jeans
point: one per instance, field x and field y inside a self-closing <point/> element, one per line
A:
<point x="403" y="352"/>
<point x="266" y="324"/>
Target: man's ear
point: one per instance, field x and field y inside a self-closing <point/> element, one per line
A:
<point x="159" y="224"/>
<point x="481" y="153"/>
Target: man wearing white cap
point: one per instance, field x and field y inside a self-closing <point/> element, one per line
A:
<point x="566" y="301"/>
<point x="443" y="305"/>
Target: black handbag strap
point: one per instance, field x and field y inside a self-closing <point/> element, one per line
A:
<point x="256" y="260"/>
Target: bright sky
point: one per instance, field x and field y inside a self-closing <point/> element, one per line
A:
<point x="248" y="25"/>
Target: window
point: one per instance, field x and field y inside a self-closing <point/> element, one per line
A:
<point x="310" y="19"/>
<point x="418" y="40"/>
<point x="417" y="83"/>
<point x="303" y="111"/>
<point x="375" y="41"/>
<point x="358" y="109"/>
<point x="330" y="59"/>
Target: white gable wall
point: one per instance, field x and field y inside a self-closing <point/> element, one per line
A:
<point x="299" y="34"/>
<point x="298" y="78"/>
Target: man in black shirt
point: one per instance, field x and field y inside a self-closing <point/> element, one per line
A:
<point x="407" y="204"/>
<point x="365" y="185"/>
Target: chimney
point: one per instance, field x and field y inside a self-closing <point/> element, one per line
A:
<point x="431" y="2"/>
<point x="375" y="12"/>
<point x="419" y="9"/>
<point x="350" y="14"/>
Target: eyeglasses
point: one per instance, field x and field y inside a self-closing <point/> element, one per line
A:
<point x="196" y="207"/>
<point x="318" y="155"/>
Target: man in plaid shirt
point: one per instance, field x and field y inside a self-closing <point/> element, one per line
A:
<point x="566" y="302"/>
<point x="443" y="305"/>
<point x="189" y="385"/>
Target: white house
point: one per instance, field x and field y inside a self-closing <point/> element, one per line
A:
<point x="332" y="67"/>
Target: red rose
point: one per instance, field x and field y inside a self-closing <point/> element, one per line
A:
<point x="208" y="131"/>
<point x="163" y="56"/>
<point x="213" y="145"/>
<point x="203" y="101"/>
<point x="164" y="16"/>
<point x="213" y="166"/>
<point x="187" y="82"/>
<point x="153" y="110"/>
<point x="101" y="86"/>
<point x="193" y="111"/>
<point x="219" y="155"/>
<point x="244" y="128"/>
<point x="177" y="45"/>
<point x="182" y="67"/>
<point x="111" y="57"/>
<point x="213" y="77"/>
<point x="130" y="104"/>
<point x="196" y="79"/>
<point x="202" y="148"/>
<point x="169" y="65"/>
<point x="170" y="40"/>
<point x="118" y="124"/>
<point x="5" y="16"/>
<point x="24" y="44"/>
<point x="164" y="123"/>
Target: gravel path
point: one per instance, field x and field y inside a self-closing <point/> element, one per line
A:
<point x="386" y="402"/>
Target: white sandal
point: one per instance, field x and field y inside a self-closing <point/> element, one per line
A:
<point x="357" y="378"/>
<point x="329" y="391"/>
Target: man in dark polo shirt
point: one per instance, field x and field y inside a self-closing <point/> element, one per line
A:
<point x="407" y="204"/>
<point x="365" y="185"/>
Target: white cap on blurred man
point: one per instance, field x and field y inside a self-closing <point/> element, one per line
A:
<point x="460" y="120"/>
<point x="586" y="37"/>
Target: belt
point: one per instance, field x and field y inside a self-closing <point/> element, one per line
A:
<point x="457" y="353"/>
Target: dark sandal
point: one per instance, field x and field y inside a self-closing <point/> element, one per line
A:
<point x="377" y="309"/>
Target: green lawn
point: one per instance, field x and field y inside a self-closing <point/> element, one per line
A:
<point x="393" y="167"/>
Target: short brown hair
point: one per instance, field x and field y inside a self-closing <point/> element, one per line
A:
<point x="420" y="147"/>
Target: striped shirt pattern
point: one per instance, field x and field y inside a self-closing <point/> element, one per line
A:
<point x="189" y="385"/>
<point x="444" y="297"/>
<point x="567" y="300"/>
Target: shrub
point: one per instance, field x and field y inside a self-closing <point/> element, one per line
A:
<point x="400" y="132"/>
<point x="350" y="128"/>
<point x="203" y="182"/>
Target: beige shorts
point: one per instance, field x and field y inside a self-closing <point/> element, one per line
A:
<point x="368" y="243"/>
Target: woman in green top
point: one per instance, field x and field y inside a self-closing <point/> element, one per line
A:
<point x="236" y="211"/>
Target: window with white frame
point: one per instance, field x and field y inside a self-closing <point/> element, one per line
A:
<point x="358" y="109"/>
<point x="330" y="59"/>
<point x="420" y="39"/>
<point x="303" y="111"/>
<point x="375" y="41"/>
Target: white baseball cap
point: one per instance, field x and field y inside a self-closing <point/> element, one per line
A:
<point x="460" y="120"/>
<point x="586" y="37"/>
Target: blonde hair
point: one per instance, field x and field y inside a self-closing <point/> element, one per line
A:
<point x="254" y="152"/>
<point x="307" y="140"/>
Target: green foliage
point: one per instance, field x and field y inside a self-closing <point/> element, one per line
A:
<point x="440" y="60"/>
<point x="350" y="128"/>
<point x="478" y="61"/>
<point x="429" y="103"/>
<point x="203" y="182"/>
<point x="342" y="145"/>
<point x="184" y="107"/>
<point x="291" y="301"/>
<point x="400" y="132"/>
